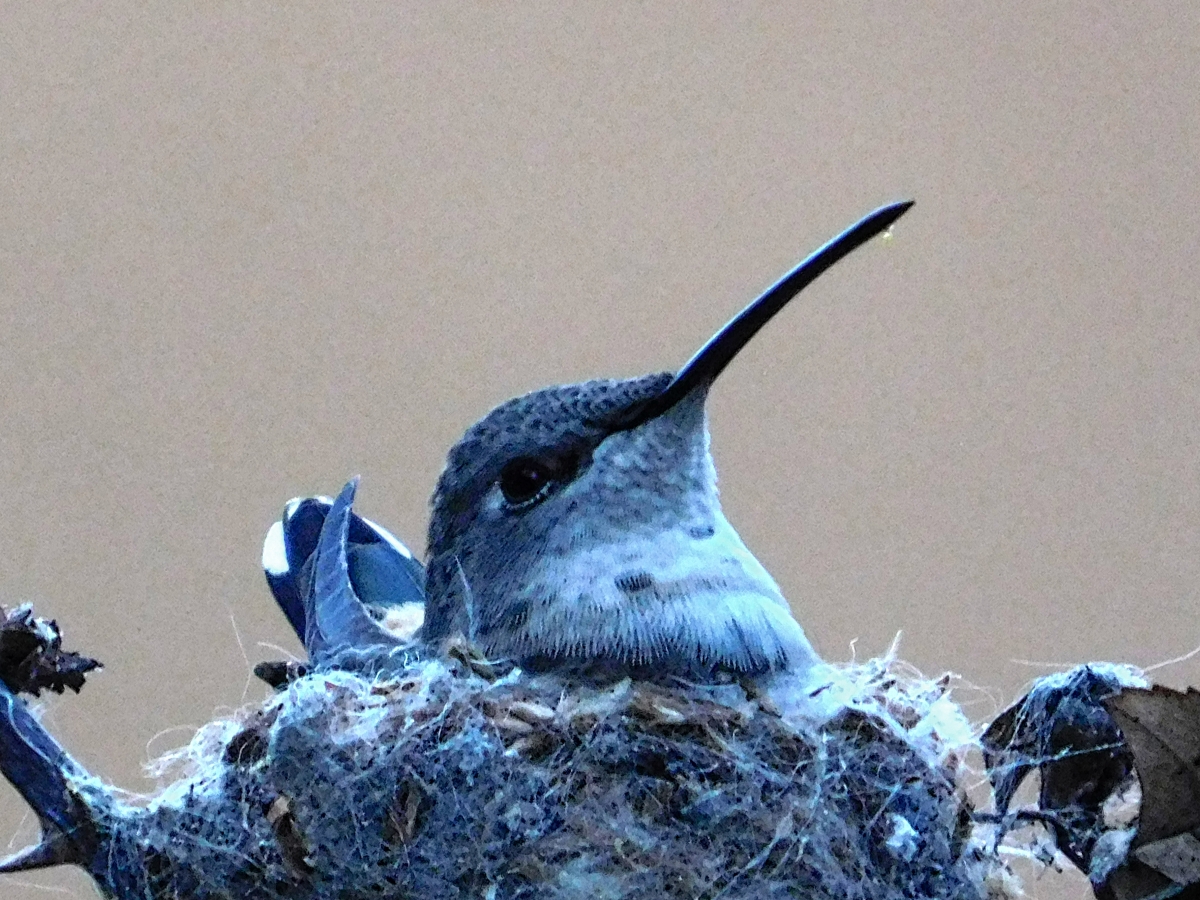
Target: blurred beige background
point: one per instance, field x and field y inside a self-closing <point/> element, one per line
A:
<point x="249" y="250"/>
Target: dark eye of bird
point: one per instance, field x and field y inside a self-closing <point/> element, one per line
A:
<point x="524" y="481"/>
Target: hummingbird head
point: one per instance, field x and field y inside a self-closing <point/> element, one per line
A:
<point x="579" y="526"/>
<point x="560" y="536"/>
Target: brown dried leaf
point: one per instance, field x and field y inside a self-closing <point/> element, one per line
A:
<point x="472" y="657"/>
<point x="31" y="656"/>
<point x="404" y="817"/>
<point x="1162" y="728"/>
<point x="293" y="848"/>
<point x="659" y="708"/>
<point x="533" y="713"/>
<point x="511" y="724"/>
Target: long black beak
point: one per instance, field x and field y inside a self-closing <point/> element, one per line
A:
<point x="703" y="368"/>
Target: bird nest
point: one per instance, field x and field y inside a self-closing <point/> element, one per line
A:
<point x="452" y="779"/>
<point x="451" y="776"/>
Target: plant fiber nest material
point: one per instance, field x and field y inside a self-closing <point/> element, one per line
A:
<point x="446" y="780"/>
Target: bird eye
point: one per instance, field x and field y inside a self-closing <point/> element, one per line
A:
<point x="525" y="481"/>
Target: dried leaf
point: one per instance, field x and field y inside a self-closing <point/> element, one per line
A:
<point x="31" y="656"/>
<point x="279" y="674"/>
<point x="1162" y="729"/>
<point x="533" y="713"/>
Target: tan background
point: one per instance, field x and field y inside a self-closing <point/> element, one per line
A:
<point x="248" y="251"/>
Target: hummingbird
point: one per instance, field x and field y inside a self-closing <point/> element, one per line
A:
<point x="578" y="529"/>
